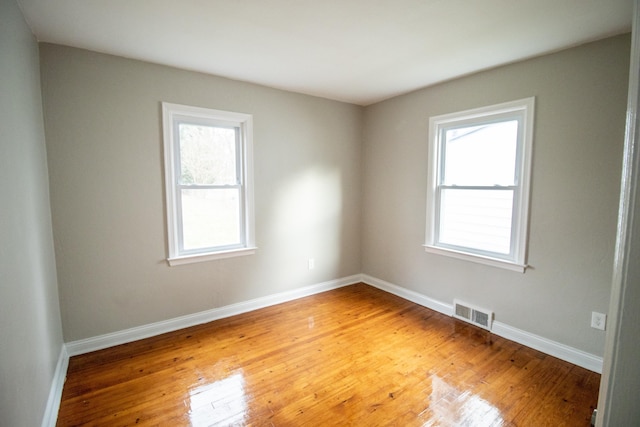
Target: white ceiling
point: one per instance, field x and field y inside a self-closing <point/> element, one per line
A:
<point x="358" y="51"/>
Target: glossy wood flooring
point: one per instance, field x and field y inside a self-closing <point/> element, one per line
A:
<point x="353" y="356"/>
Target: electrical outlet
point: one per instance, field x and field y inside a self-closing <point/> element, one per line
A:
<point x="312" y="263"/>
<point x="598" y="320"/>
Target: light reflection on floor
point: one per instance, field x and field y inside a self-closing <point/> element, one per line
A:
<point x="450" y="407"/>
<point x="222" y="402"/>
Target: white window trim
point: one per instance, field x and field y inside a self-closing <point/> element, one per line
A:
<point x="520" y="231"/>
<point x="245" y="122"/>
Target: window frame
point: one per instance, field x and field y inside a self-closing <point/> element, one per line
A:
<point x="523" y="111"/>
<point x="172" y="116"/>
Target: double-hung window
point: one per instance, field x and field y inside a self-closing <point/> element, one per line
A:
<point x="208" y="179"/>
<point x="478" y="190"/>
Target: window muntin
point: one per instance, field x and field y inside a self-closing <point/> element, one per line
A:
<point x="479" y="184"/>
<point x="208" y="183"/>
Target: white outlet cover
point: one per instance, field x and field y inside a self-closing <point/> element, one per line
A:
<point x="598" y="320"/>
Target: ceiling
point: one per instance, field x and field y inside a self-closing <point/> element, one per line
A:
<point x="357" y="51"/>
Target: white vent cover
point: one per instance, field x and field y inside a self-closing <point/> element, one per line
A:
<point x="474" y="315"/>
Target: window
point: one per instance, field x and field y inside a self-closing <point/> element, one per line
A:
<point x="478" y="192"/>
<point x="208" y="173"/>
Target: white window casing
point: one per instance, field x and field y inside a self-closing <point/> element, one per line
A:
<point x="478" y="199"/>
<point x="209" y="194"/>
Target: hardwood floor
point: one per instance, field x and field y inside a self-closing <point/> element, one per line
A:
<point x="352" y="356"/>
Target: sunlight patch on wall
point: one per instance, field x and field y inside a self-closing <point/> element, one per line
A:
<point x="308" y="215"/>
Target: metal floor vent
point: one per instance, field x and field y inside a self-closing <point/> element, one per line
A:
<point x="474" y="315"/>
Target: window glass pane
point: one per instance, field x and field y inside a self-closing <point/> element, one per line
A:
<point x="481" y="155"/>
<point x="210" y="218"/>
<point x="477" y="219"/>
<point x="207" y="155"/>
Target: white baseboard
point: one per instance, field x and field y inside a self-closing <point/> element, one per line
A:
<point x="547" y="346"/>
<point x="550" y="347"/>
<point x="129" y="335"/>
<point x="408" y="294"/>
<point x="55" y="392"/>
<point x="553" y="348"/>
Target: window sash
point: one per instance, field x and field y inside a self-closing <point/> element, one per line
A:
<point x="241" y="234"/>
<point x="238" y="137"/>
<point x="479" y="249"/>
<point x="495" y="119"/>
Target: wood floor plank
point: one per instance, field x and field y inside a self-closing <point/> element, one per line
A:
<point x="352" y="356"/>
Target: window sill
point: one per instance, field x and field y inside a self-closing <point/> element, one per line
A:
<point x="190" y="259"/>
<point x="479" y="259"/>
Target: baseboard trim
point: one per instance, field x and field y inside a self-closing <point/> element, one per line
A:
<point x="100" y="342"/>
<point x="408" y="294"/>
<point x="550" y="347"/>
<point x="50" y="417"/>
<point x="547" y="346"/>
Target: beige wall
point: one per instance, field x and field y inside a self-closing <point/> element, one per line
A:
<point x="314" y="198"/>
<point x="579" y="128"/>
<point x="103" y="125"/>
<point x="30" y="328"/>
